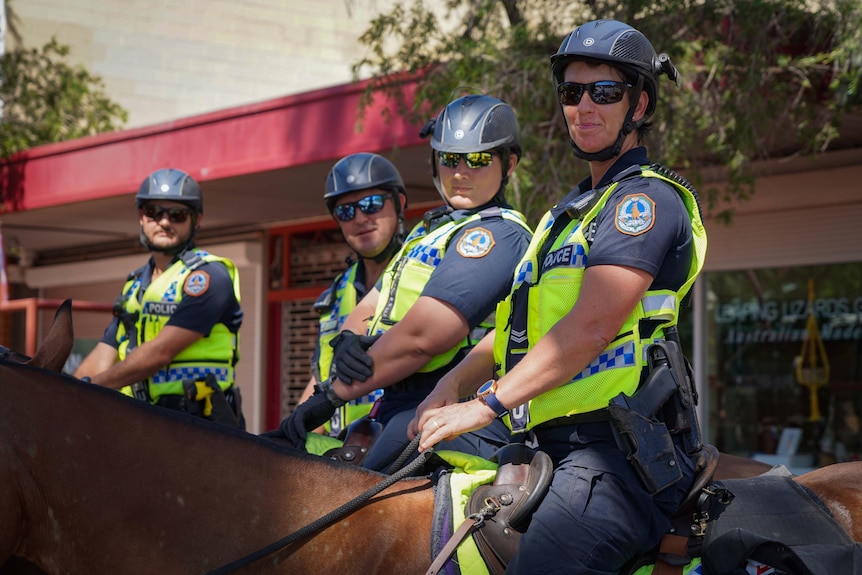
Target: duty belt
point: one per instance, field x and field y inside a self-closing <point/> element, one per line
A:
<point x="596" y="416"/>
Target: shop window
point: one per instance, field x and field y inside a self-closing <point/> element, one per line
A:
<point x="762" y="390"/>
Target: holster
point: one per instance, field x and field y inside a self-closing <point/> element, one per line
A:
<point x="206" y="399"/>
<point x="661" y="407"/>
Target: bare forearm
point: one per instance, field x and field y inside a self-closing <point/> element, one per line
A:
<point x="431" y="328"/>
<point x="473" y="370"/>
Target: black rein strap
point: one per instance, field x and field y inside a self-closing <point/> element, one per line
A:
<point x="333" y="515"/>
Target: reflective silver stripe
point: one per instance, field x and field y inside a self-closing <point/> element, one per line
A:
<point x="660" y="305"/>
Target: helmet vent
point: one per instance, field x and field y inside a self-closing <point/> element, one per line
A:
<point x="631" y="45"/>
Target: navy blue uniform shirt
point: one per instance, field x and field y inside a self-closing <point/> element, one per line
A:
<point x="665" y="251"/>
<point x="200" y="313"/>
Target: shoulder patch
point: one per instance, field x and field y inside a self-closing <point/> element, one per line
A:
<point x="197" y="283"/>
<point x="635" y="214"/>
<point x="475" y="243"/>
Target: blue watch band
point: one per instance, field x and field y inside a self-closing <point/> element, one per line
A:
<point x="491" y="401"/>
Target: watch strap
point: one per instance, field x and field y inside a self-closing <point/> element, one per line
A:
<point x="326" y="388"/>
<point x="491" y="401"/>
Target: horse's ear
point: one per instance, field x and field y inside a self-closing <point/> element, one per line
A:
<point x="57" y="345"/>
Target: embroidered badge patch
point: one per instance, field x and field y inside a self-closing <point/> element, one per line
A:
<point x="197" y="283"/>
<point x="475" y="243"/>
<point x="635" y="214"/>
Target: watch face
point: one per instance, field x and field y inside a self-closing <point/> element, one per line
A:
<point x="487" y="388"/>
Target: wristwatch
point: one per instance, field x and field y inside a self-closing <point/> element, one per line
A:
<point x="326" y="387"/>
<point x="487" y="395"/>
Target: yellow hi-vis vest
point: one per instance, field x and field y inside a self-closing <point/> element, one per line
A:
<point x="335" y="305"/>
<point x="618" y="368"/>
<point x="406" y="275"/>
<point x="216" y="353"/>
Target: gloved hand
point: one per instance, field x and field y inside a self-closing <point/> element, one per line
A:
<point x="310" y="414"/>
<point x="349" y="360"/>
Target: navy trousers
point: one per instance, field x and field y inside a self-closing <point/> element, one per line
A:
<point x="597" y="514"/>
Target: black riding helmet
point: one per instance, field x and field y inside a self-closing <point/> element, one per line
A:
<point x="362" y="171"/>
<point x="476" y="123"/>
<point x="625" y="48"/>
<point x="171" y="184"/>
<point x="176" y="186"/>
<point x="365" y="171"/>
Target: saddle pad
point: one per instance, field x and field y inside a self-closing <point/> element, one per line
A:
<point x="453" y="489"/>
<point x="775" y="506"/>
<point x="775" y="525"/>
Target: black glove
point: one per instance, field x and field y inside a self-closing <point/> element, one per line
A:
<point x="349" y="360"/>
<point x="310" y="414"/>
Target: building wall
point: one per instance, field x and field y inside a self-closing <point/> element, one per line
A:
<point x="167" y="59"/>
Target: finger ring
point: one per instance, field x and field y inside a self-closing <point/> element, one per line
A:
<point x="437" y="425"/>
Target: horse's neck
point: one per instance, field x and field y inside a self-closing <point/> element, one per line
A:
<point x="122" y="484"/>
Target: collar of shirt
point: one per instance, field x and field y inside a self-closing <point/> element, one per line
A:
<point x="634" y="157"/>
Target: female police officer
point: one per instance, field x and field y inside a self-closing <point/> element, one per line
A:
<point x="436" y="296"/>
<point x="602" y="280"/>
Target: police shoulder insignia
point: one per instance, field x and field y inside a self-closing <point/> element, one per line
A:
<point x="635" y="214"/>
<point x="475" y="243"/>
<point x="197" y="283"/>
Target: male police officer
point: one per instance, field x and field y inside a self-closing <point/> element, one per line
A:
<point x="174" y="338"/>
<point x="366" y="196"/>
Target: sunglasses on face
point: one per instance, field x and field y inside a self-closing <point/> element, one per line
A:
<point x="472" y="159"/>
<point x="367" y="205"/>
<point x="602" y="92"/>
<point x="175" y="215"/>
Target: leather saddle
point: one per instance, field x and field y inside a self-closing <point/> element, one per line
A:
<point x="523" y="478"/>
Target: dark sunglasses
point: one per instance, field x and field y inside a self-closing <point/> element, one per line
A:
<point x="367" y="205"/>
<point x="472" y="159"/>
<point x="602" y="92"/>
<point x="175" y="215"/>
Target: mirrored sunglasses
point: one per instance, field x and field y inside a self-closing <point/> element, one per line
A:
<point x="601" y="92"/>
<point x="367" y="205"/>
<point x="472" y="159"/>
<point x="175" y="215"/>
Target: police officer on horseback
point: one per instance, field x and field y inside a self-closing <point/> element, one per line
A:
<point x="366" y="196"/>
<point x="174" y="337"/>
<point x="436" y="296"/>
<point x="585" y="348"/>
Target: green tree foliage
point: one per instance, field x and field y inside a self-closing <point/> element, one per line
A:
<point x="759" y="78"/>
<point x="46" y="100"/>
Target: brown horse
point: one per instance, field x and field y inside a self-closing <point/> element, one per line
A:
<point x="96" y="483"/>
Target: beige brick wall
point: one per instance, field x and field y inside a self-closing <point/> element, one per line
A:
<point x="168" y="59"/>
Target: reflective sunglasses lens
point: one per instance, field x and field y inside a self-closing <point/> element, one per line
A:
<point x="367" y="205"/>
<point x="345" y="212"/>
<point x="602" y="92"/>
<point x="449" y="159"/>
<point x="607" y="92"/>
<point x="478" y="159"/>
<point x="175" y="215"/>
<point x="472" y="159"/>
<point x="570" y="93"/>
<point x="371" y="204"/>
